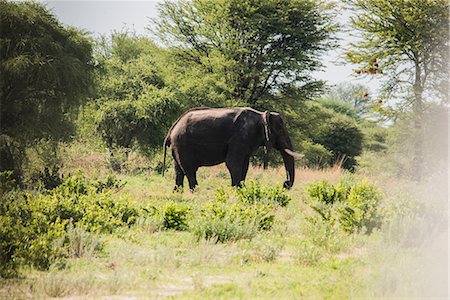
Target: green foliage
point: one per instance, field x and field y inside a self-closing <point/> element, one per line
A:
<point x="327" y="137"/>
<point x="226" y="220"/>
<point x="37" y="229"/>
<point x="27" y="234"/>
<point x="354" y="206"/>
<point x="316" y="155"/>
<point x="49" y="178"/>
<point x="328" y="193"/>
<point x="375" y="137"/>
<point x="111" y="182"/>
<point x="46" y="73"/>
<point x="7" y="182"/>
<point x="221" y="37"/>
<point x="252" y="192"/>
<point x="175" y="216"/>
<point x="339" y="107"/>
<point x="402" y="40"/>
<point x="145" y="120"/>
<point x="134" y="106"/>
<point x="342" y="136"/>
<point x="362" y="210"/>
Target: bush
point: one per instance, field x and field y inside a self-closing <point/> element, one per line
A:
<point x="353" y="205"/>
<point x="36" y="229"/>
<point x="316" y="155"/>
<point x="224" y="220"/>
<point x="7" y="182"/>
<point x="111" y="182"/>
<point x="362" y="210"/>
<point x="253" y="192"/>
<point x="342" y="136"/>
<point x="27" y="234"/>
<point x="175" y="216"/>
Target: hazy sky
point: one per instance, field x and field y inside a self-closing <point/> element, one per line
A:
<point x="103" y="17"/>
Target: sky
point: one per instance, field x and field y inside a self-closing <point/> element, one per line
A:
<point x="104" y="17"/>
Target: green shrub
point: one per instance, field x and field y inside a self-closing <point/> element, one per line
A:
<point x="7" y="182"/>
<point x="341" y="135"/>
<point x="27" y="234"/>
<point x="327" y="193"/>
<point x="355" y="206"/>
<point x="253" y="192"/>
<point x="35" y="228"/>
<point x="316" y="155"/>
<point x="175" y="216"/>
<point x="226" y="221"/>
<point x="362" y="210"/>
<point x="110" y="183"/>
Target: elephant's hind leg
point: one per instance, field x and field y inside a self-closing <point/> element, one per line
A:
<point x="179" y="176"/>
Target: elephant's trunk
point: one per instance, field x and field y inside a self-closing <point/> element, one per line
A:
<point x="290" y="169"/>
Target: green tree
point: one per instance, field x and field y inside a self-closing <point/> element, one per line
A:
<point x="261" y="48"/>
<point x="134" y="104"/>
<point x="46" y="72"/>
<point x="405" y="42"/>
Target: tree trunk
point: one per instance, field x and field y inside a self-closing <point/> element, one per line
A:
<point x="418" y="110"/>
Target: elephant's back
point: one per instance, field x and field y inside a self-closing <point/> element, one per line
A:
<point x="205" y="125"/>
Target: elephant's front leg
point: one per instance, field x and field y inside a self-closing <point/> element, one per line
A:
<point x="236" y="165"/>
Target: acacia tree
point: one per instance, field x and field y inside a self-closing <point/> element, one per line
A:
<point x="261" y="47"/>
<point x="45" y="74"/>
<point x="405" y="42"/>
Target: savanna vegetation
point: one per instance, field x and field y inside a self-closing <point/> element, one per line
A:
<point x="85" y="212"/>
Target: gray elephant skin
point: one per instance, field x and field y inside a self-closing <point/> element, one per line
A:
<point x="210" y="136"/>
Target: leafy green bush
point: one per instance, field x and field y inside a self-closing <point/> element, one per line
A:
<point x="253" y="192"/>
<point x="7" y="181"/>
<point x="226" y="221"/>
<point x="111" y="182"/>
<point x="341" y="135"/>
<point x="362" y="211"/>
<point x="175" y="216"/>
<point x="355" y="206"/>
<point x="36" y="229"/>
<point x="27" y="234"/>
<point x="316" y="155"/>
<point x="327" y="193"/>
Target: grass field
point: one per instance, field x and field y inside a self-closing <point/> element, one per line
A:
<point x="293" y="260"/>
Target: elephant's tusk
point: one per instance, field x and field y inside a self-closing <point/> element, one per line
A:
<point x="294" y="154"/>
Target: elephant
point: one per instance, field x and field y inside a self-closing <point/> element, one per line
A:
<point x="210" y="136"/>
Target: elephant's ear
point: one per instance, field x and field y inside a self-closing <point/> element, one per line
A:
<point x="267" y="133"/>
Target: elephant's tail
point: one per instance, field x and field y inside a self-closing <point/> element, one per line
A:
<point x="166" y="144"/>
